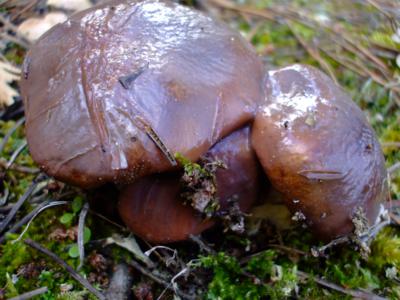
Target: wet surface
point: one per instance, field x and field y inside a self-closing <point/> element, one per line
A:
<point x="128" y="68"/>
<point x="325" y="168"/>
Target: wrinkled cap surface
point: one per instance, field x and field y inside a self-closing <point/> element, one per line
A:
<point x="153" y="208"/>
<point x="318" y="149"/>
<point x="114" y="91"/>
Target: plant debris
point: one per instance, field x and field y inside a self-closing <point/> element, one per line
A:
<point x="199" y="184"/>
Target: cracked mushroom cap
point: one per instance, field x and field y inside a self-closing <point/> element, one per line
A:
<point x="153" y="208"/>
<point x="112" y="93"/>
<point x="319" y="151"/>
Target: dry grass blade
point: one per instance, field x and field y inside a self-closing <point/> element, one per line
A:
<point x="394" y="168"/>
<point x="314" y="53"/>
<point x="19" y="203"/>
<point x="66" y="267"/>
<point x="9" y="133"/>
<point x="202" y="244"/>
<point x="155" y="278"/>
<point x="30" y="217"/>
<point x="16" y="37"/>
<point x="359" y="294"/>
<point x="368" y="64"/>
<point x="31" y="294"/>
<point x="81" y="229"/>
<point x="17" y="168"/>
<point x="16" y="153"/>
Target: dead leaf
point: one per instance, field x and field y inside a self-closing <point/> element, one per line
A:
<point x="34" y="28"/>
<point x="8" y="74"/>
<point x="130" y="244"/>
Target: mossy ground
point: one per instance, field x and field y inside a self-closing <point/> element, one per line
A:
<point x="234" y="272"/>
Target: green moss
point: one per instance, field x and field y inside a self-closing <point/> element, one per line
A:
<point x="386" y="249"/>
<point x="259" y="278"/>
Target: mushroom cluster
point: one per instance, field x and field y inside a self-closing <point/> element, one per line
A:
<point x="112" y="94"/>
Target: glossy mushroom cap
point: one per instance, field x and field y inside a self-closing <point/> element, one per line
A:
<point x="318" y="149"/>
<point x="153" y="209"/>
<point x="114" y="91"/>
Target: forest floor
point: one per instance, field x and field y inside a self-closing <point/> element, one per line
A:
<point x="357" y="43"/>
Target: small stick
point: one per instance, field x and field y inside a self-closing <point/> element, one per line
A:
<point x="30" y="217"/>
<point x="394" y="168"/>
<point x="9" y="133"/>
<point x="313" y="52"/>
<point x="16" y="153"/>
<point x="17" y="168"/>
<point x="23" y="221"/>
<point x="354" y="293"/>
<point x="18" y="205"/>
<point x="288" y="249"/>
<point x="66" y="267"/>
<point x="31" y="294"/>
<point x="120" y="227"/>
<point x="4" y="198"/>
<point x="156" y="139"/>
<point x="164" y="283"/>
<point x="202" y="245"/>
<point x="81" y="229"/>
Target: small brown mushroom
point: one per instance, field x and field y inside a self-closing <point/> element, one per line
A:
<point x="153" y="207"/>
<point x="319" y="151"/>
<point x="112" y="93"/>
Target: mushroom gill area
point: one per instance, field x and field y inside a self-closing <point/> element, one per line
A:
<point x="112" y="94"/>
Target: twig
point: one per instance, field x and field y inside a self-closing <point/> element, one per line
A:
<point x="30" y="217"/>
<point x="395" y="219"/>
<point x="17" y="168"/>
<point x="354" y="293"/>
<point x="7" y="208"/>
<point x="153" y="249"/>
<point x="31" y="294"/>
<point x="4" y="198"/>
<point x="66" y="267"/>
<point x="19" y="203"/>
<point x="81" y="229"/>
<point x="10" y="132"/>
<point x="285" y="13"/>
<point x="316" y="252"/>
<point x="314" y="53"/>
<point x="202" y="245"/>
<point x="23" y="221"/>
<point x="164" y="283"/>
<point x="16" y="153"/>
<point x="288" y="249"/>
<point x="122" y="228"/>
<point x="394" y="168"/>
<point x="172" y="282"/>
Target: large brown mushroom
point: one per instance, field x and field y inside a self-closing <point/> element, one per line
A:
<point x="319" y="151"/>
<point x="112" y="93"/>
<point x="154" y="208"/>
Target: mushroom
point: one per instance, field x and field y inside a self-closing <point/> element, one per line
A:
<point x="154" y="209"/>
<point x="319" y="151"/>
<point x="112" y="93"/>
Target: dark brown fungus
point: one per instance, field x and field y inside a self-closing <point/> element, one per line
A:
<point x="318" y="149"/>
<point x="153" y="208"/>
<point x="116" y="90"/>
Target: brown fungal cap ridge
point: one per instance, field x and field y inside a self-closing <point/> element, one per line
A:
<point x="94" y="78"/>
